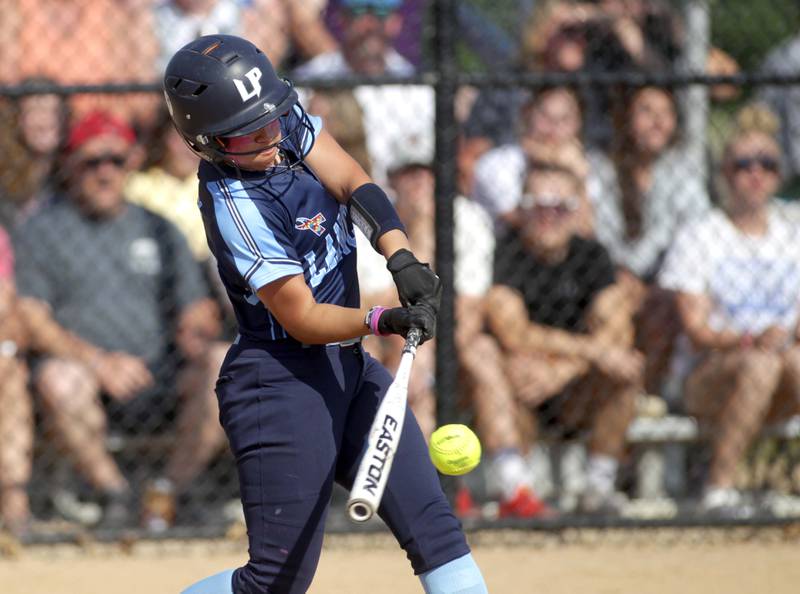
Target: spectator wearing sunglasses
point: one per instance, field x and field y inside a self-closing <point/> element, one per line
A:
<point x="567" y="336"/>
<point x="737" y="276"/>
<point x="124" y="279"/>
<point x="394" y="115"/>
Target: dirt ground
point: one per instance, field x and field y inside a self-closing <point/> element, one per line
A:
<point x="629" y="563"/>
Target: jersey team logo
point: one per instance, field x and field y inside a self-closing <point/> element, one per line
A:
<point x="313" y="224"/>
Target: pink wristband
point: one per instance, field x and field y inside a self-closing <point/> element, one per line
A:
<point x="373" y="317"/>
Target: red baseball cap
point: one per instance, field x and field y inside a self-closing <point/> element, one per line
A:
<point x="98" y="123"/>
<point x="6" y="256"/>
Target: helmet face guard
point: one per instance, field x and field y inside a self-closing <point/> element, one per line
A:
<point x="224" y="86"/>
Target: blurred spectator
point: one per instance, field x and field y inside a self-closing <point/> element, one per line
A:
<point x="737" y="274"/>
<point x="604" y="36"/>
<point x="648" y="190"/>
<point x="275" y="25"/>
<point x="564" y="36"/>
<point x="168" y="185"/>
<point x="784" y="100"/>
<point x="37" y="126"/>
<point x="123" y="278"/>
<point x="565" y="330"/>
<point x="343" y="117"/>
<point x="393" y="114"/>
<point x="16" y="410"/>
<point x="551" y="127"/>
<point x="412" y="181"/>
<point x="27" y="327"/>
<point x="77" y="42"/>
<point x="408" y="39"/>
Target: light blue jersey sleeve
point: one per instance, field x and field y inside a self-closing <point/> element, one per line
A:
<point x="256" y="237"/>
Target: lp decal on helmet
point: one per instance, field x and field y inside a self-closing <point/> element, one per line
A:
<point x="253" y="75"/>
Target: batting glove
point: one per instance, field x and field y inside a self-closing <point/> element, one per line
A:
<point x="416" y="283"/>
<point x="399" y="320"/>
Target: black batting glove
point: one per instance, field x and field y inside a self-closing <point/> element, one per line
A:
<point x="399" y="320"/>
<point x="416" y="283"/>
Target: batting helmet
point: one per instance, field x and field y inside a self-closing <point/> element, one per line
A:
<point x="222" y="86"/>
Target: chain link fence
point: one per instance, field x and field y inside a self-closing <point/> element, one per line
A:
<point x="606" y="188"/>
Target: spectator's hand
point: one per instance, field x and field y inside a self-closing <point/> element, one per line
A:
<point x="622" y="364"/>
<point x="416" y="283"/>
<point x="198" y="327"/>
<point x="630" y="36"/>
<point x="772" y="339"/>
<point x="399" y="320"/>
<point x="121" y="376"/>
<point x="569" y="154"/>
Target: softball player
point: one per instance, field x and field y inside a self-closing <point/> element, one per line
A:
<point x="297" y="393"/>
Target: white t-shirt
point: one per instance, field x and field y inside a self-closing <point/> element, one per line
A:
<point x="474" y="251"/>
<point x="753" y="281"/>
<point x="175" y="28"/>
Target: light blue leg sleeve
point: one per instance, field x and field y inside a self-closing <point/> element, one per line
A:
<point x="220" y="583"/>
<point x="459" y="576"/>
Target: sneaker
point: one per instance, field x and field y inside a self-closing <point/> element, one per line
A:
<point x="524" y="504"/>
<point x="716" y="498"/>
<point x="464" y="505"/>
<point x="158" y="506"/>
<point x="595" y="502"/>
<point x="725" y="503"/>
<point x="70" y="507"/>
<point x="117" y="511"/>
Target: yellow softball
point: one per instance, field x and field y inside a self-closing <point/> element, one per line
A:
<point x="454" y="449"/>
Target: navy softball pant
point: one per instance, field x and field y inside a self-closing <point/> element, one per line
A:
<point x="297" y="418"/>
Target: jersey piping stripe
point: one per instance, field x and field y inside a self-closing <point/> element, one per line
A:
<point x="249" y="256"/>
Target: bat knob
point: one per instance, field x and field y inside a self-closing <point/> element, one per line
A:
<point x="359" y="511"/>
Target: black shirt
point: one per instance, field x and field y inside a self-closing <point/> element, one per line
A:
<point x="556" y="295"/>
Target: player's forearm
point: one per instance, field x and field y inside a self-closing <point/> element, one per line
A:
<point x="323" y="323"/>
<point x="392" y="241"/>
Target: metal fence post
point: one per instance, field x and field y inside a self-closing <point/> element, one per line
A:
<point x="445" y="170"/>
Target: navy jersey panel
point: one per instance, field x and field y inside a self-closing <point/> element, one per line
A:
<point x="297" y="419"/>
<point x="265" y="226"/>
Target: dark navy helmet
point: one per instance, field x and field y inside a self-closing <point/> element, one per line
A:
<point x="222" y="86"/>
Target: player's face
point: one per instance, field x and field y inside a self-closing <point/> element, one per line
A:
<point x="261" y="144"/>
<point x="101" y="167"/>
<point x="652" y="120"/>
<point x="551" y="203"/>
<point x="752" y="168"/>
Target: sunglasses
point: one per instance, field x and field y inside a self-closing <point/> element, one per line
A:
<point x="380" y="12"/>
<point x="746" y="163"/>
<point x="558" y="205"/>
<point x="111" y="159"/>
